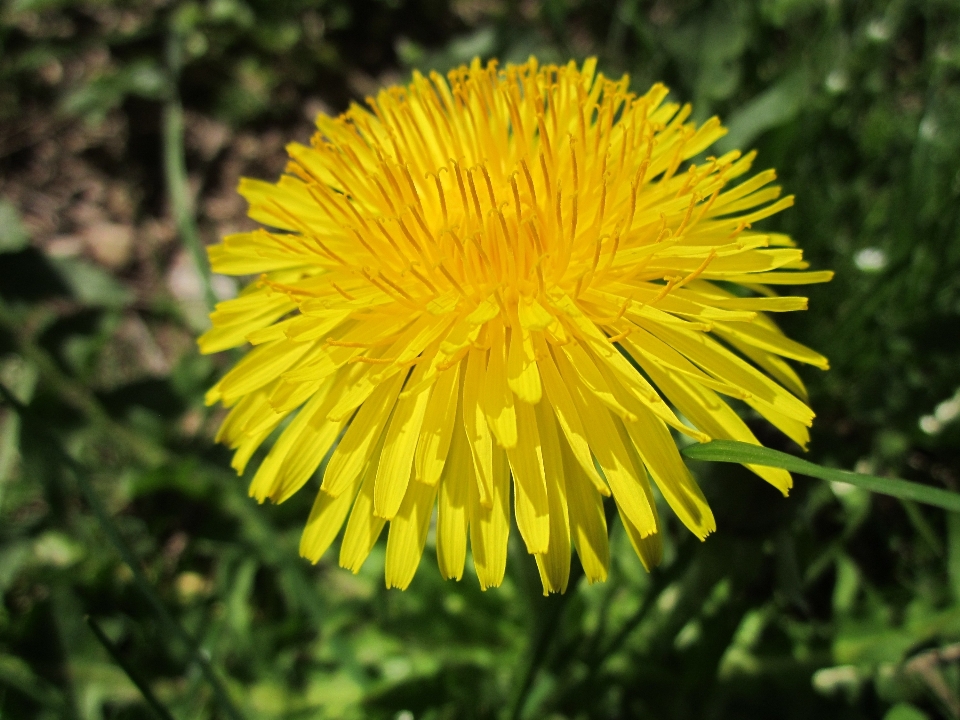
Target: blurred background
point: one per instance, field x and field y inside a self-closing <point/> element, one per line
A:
<point x="124" y="128"/>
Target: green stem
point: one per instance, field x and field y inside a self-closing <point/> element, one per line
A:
<point x="175" y="169"/>
<point x="738" y="452"/>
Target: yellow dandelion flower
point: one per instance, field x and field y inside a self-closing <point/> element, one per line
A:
<point x="503" y="283"/>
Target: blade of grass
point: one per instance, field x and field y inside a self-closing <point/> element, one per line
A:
<point x="738" y="452"/>
<point x="923" y="527"/>
<point x="16" y="673"/>
<point x="159" y="710"/>
<point x="175" y="170"/>
<point x="81" y="475"/>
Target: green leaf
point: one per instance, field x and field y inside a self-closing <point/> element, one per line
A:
<point x="91" y="284"/>
<point x="904" y="711"/>
<point x="13" y="236"/>
<point x="738" y="452"/>
<point x="953" y="555"/>
<point x="16" y="672"/>
<point x="776" y="106"/>
<point x="107" y="90"/>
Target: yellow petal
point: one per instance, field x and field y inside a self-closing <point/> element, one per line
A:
<point x="299" y="449"/>
<point x="649" y="548"/>
<point x="533" y="316"/>
<point x="408" y="533"/>
<point x="642" y="345"/>
<point x="522" y="375"/>
<point x="632" y="381"/>
<point x="363" y="527"/>
<point x="753" y="200"/>
<point x="611" y="453"/>
<point x="554" y="565"/>
<point x="335" y="357"/>
<point x="288" y="396"/>
<point x="279" y="205"/>
<point x="566" y="413"/>
<point x="727" y="367"/>
<point x="259" y="367"/>
<point x="326" y="519"/>
<point x="248" y="446"/>
<point x="438" y="425"/>
<point x="588" y="525"/>
<point x="420" y="336"/>
<point x="778" y="368"/>
<point x="710" y="413"/>
<point x="786" y="303"/>
<point x="453" y="506"/>
<point x="496" y="397"/>
<point x="234" y="319"/>
<point x="591" y="378"/>
<point x="396" y="460"/>
<point x="782" y="278"/>
<point x="249" y="410"/>
<point x="251" y="253"/>
<point x="655" y="446"/>
<point x="774" y="342"/>
<point x="789" y="426"/>
<point x="351" y="455"/>
<point x="721" y="204"/>
<point x="490" y="525"/>
<point x="526" y="463"/>
<point x="706" y="135"/>
<point x="366" y="380"/>
<point x="475" y="424"/>
<point x="303" y="328"/>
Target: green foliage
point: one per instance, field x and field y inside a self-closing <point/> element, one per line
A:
<point x="833" y="603"/>
<point x="13" y="237"/>
<point x="747" y="454"/>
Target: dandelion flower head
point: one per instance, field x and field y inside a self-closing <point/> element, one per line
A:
<point x="509" y="282"/>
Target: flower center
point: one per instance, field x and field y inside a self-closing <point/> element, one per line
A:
<point x="509" y="184"/>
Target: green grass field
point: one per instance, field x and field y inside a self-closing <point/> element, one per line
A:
<point x="130" y="553"/>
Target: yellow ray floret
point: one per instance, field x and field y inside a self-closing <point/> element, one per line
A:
<point x="506" y="281"/>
